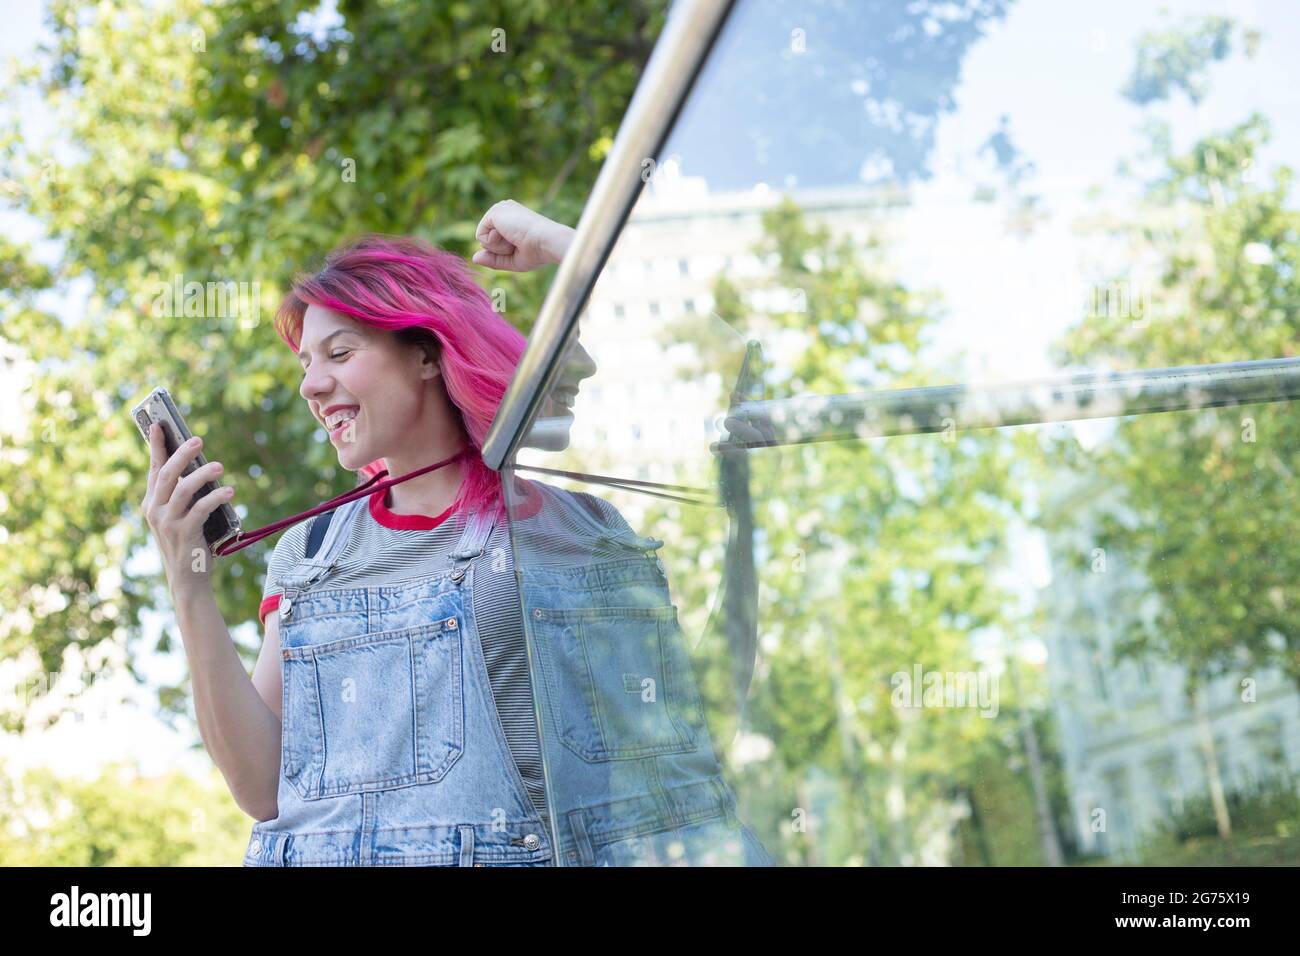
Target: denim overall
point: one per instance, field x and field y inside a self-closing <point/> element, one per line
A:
<point x="631" y="774"/>
<point x="391" y="750"/>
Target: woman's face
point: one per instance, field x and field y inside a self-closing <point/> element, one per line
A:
<point x="550" y="429"/>
<point x="350" y="367"/>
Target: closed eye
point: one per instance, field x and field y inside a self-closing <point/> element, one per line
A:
<point x="334" y="355"/>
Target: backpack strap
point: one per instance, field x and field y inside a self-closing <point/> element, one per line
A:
<point x="316" y="535"/>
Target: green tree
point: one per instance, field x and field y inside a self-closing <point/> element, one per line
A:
<point x="1207" y="486"/>
<point x="119" y="818"/>
<point x="1203" y="490"/>
<point x="1176" y="58"/>
<point x="872" y="555"/>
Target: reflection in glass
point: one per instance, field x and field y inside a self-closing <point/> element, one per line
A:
<point x="980" y="555"/>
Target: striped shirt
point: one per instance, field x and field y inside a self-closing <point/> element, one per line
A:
<point x="383" y="543"/>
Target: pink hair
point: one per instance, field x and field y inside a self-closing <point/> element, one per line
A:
<point x="404" y="283"/>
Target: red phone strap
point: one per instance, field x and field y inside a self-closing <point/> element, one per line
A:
<point x="244" y="538"/>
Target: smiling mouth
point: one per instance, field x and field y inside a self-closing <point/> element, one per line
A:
<point x="338" y="429"/>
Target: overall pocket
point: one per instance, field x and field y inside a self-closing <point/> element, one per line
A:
<point x="373" y="712"/>
<point x="618" y="681"/>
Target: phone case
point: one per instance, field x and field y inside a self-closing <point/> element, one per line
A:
<point x="223" y="523"/>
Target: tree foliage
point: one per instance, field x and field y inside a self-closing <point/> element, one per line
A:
<point x="1205" y="491"/>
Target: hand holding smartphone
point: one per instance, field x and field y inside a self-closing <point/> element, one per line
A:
<point x="221" y="531"/>
<point x="222" y="523"/>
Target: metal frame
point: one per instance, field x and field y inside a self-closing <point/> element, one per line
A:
<point x="912" y="411"/>
<point x="679" y="54"/>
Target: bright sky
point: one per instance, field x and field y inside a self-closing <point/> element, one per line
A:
<point x="1010" y="297"/>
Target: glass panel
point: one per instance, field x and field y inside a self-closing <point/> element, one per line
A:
<point x="833" y="610"/>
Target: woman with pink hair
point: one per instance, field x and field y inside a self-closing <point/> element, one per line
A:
<point x="391" y="718"/>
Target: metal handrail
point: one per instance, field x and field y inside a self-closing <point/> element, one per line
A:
<point x="680" y="52"/>
<point x="912" y="411"/>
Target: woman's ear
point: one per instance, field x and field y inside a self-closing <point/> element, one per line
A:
<point x="430" y="362"/>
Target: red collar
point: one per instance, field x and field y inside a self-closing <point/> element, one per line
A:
<point x="400" y="522"/>
<point x="528" y="506"/>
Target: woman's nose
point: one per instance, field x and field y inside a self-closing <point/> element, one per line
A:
<point x="315" y="384"/>
<point x="579" y="364"/>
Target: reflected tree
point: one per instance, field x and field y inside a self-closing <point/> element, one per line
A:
<point x="1206" y="493"/>
<point x="873" y="558"/>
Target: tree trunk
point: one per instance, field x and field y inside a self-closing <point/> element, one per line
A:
<point x="1212" y="775"/>
<point x="977" y="826"/>
<point x="853" y="749"/>
<point x="1048" y="839"/>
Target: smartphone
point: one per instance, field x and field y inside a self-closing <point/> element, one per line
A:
<point x="223" y="523"/>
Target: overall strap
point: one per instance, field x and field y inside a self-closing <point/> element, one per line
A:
<point x="319" y="559"/>
<point x="316" y="534"/>
<point x="473" y="539"/>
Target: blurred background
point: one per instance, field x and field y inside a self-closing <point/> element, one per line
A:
<point x="1062" y="643"/>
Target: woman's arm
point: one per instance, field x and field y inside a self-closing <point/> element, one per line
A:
<point x="239" y="730"/>
<point x="517" y="239"/>
<point x="237" y="726"/>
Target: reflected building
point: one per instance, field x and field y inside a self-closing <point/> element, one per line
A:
<point x="656" y="286"/>
<point x="1132" y="747"/>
